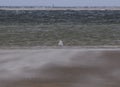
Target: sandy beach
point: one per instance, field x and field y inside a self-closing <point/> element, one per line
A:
<point x="63" y="67"/>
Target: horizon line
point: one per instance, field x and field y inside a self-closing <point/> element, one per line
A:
<point x="59" y="6"/>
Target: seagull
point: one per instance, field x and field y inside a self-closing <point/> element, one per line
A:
<point x="60" y="43"/>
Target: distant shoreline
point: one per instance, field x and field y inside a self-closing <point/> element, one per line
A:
<point x="63" y="47"/>
<point x="59" y="8"/>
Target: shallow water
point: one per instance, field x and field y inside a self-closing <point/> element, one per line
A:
<point x="60" y="68"/>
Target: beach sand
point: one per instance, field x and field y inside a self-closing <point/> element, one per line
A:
<point x="60" y="67"/>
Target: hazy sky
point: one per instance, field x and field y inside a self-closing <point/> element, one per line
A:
<point x="60" y="2"/>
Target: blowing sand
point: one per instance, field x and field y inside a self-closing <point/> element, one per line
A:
<point x="60" y="67"/>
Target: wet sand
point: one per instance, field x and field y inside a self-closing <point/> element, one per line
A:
<point x="60" y="67"/>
